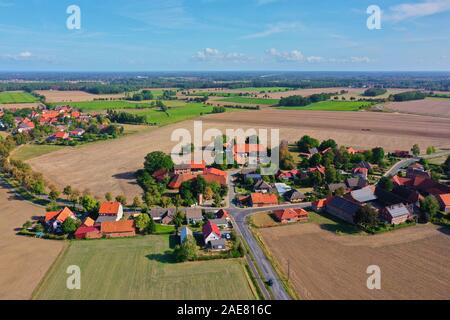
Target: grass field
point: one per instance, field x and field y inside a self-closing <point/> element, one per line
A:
<point x="30" y="151"/>
<point x="266" y="89"/>
<point x="333" y="106"/>
<point x="143" y="268"/>
<point x="263" y="220"/>
<point x="16" y="97"/>
<point x="101" y="105"/>
<point x="251" y="100"/>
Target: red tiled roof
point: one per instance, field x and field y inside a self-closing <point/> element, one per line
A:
<point x="288" y="214"/>
<point x="216" y="172"/>
<point x="109" y="208"/>
<point x="117" y="226"/>
<point x="247" y="148"/>
<point x="61" y="215"/>
<point x="361" y="170"/>
<point x="209" y="228"/>
<point x="85" y="229"/>
<point x="264" y="198"/>
<point x="222" y="214"/>
<point x="444" y="198"/>
<point x="89" y="222"/>
<point x="178" y="180"/>
<point x="198" y="166"/>
<point x="320" y="203"/>
<point x="210" y="178"/>
<point x="402" y="181"/>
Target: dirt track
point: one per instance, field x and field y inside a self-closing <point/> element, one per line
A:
<point x="414" y="262"/>
<point x="108" y="166"/>
<point x="23" y="261"/>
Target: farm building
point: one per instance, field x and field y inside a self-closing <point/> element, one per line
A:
<point x="55" y="219"/>
<point x="294" y="196"/>
<point x="118" y="229"/>
<point x="395" y="214"/>
<point x="364" y="195"/>
<point x="85" y="232"/>
<point x="342" y="208"/>
<point x="263" y="199"/>
<point x="218" y="245"/>
<point x="263" y="187"/>
<point x="110" y="211"/>
<point x="291" y="215"/>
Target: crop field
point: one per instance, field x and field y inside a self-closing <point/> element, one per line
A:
<point x="143" y="268"/>
<point x="333" y="106"/>
<point x="324" y="265"/>
<point x="55" y="96"/>
<point x="23" y="261"/>
<point x="432" y="106"/>
<point x="10" y="97"/>
<point x="251" y="101"/>
<point x="102" y="105"/>
<point x="263" y="89"/>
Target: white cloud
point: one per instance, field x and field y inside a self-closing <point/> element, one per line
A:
<point x="360" y="59"/>
<point x="287" y="56"/>
<point x="25" y="55"/>
<point x="298" y="56"/>
<point x="406" y="11"/>
<point x="273" y="29"/>
<point x="211" y="54"/>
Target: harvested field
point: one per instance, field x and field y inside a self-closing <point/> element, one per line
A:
<point x="143" y="268"/>
<point x="23" y="261"/>
<point x="74" y="96"/>
<point x="429" y="107"/>
<point x="109" y="166"/>
<point x="13" y="106"/>
<point x="414" y="262"/>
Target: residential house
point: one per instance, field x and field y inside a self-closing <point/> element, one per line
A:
<point x="263" y="187"/>
<point x="210" y="232"/>
<point x="60" y="135"/>
<point x="319" y="205"/>
<point x="263" y="199"/>
<point x="110" y="211"/>
<point x="185" y="232"/>
<point x="85" y="232"/>
<point x="365" y="164"/>
<point x="89" y="222"/>
<point x="25" y="126"/>
<point x="55" y="219"/>
<point x="77" y="132"/>
<point x="179" y="179"/>
<point x="395" y="214"/>
<point x="223" y="214"/>
<point x="158" y="214"/>
<point x="288" y="175"/>
<point x="194" y="216"/>
<point x="333" y="187"/>
<point x="181" y="169"/>
<point x="253" y="176"/>
<point x="221" y="223"/>
<point x="168" y="216"/>
<point x="361" y="172"/>
<point x="356" y="183"/>
<point x="343" y="208"/>
<point x="282" y="188"/>
<point x="294" y="196"/>
<point x="444" y="202"/>
<point x="118" y="229"/>
<point x="291" y="215"/>
<point x="321" y="169"/>
<point x="402" y="154"/>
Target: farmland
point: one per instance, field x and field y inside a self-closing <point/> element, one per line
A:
<point x="102" y="105"/>
<point x="251" y="101"/>
<point x="23" y="261"/>
<point x="74" y="96"/>
<point x="11" y="97"/>
<point x="333" y="106"/>
<point x="430" y="106"/>
<point x="414" y="261"/>
<point x="30" y="151"/>
<point x="143" y="268"/>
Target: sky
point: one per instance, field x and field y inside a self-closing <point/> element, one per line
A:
<point x="216" y="35"/>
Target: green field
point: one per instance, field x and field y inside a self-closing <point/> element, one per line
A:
<point x="17" y="97"/>
<point x="30" y="151"/>
<point x="333" y="106"/>
<point x="142" y="268"/>
<point x="251" y="100"/>
<point x="265" y="89"/>
<point x="101" y="105"/>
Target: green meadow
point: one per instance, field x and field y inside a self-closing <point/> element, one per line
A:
<point x="333" y="106"/>
<point x="17" y="97"/>
<point x="251" y="100"/>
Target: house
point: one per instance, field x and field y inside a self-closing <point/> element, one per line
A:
<point x="85" y="232"/>
<point x="89" y="222"/>
<point x="179" y="179"/>
<point x="181" y="169"/>
<point x="168" y="216"/>
<point x="118" y="229"/>
<point x="444" y="202"/>
<point x="364" y="195"/>
<point x="263" y="199"/>
<point x="185" y="232"/>
<point x="158" y="214"/>
<point x="319" y="205"/>
<point x="365" y="164"/>
<point x="214" y="171"/>
<point x="294" y="196"/>
<point x="223" y="214"/>
<point x="55" y="219"/>
<point x="77" y="132"/>
<point x="395" y="214"/>
<point x="221" y="223"/>
<point x="313" y="151"/>
<point x="253" y="176"/>
<point x="25" y="126"/>
<point x="402" y="154"/>
<point x="321" y="169"/>
<point x="412" y="173"/>
<point x="343" y="208"/>
<point x="288" y="175"/>
<point x="352" y="151"/>
<point x="211" y="178"/>
<point x="218" y="245"/>
<point x="194" y="216"/>
<point x="210" y="232"/>
<point x="291" y="215"/>
<point x="110" y="211"/>
<point x="60" y="135"/>
<point x="263" y="187"/>
<point x="282" y="188"/>
<point x="356" y="183"/>
<point x="160" y="174"/>
<point x="361" y="172"/>
<point x="333" y="187"/>
<point x="244" y="152"/>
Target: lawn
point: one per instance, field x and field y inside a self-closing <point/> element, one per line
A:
<point x="263" y="220"/>
<point x="142" y="268"/>
<point x="17" y="97"/>
<point x="101" y="105"/>
<point x="333" y="224"/>
<point x="30" y="151"/>
<point x="333" y="106"/>
<point x="251" y="100"/>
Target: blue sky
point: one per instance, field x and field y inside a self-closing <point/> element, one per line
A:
<point x="156" y="35"/>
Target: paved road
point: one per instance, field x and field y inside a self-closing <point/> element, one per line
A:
<point x="407" y="162"/>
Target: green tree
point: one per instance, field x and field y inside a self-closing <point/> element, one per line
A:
<point x="187" y="251"/>
<point x="415" y="150"/>
<point x="306" y="143"/>
<point x="386" y="184"/>
<point x="67" y="191"/>
<point x="158" y="160"/>
<point x="217" y="200"/>
<point x="366" y="216"/>
<point x="315" y="160"/>
<point x="108" y="196"/>
<point x="70" y="225"/>
<point x="54" y="193"/>
<point x="142" y="221"/>
<point x="429" y="206"/>
<point x="431" y="150"/>
<point x="315" y="178"/>
<point x="137" y="202"/>
<point x="330" y="143"/>
<point x="89" y="203"/>
<point x="330" y="175"/>
<point x="378" y="155"/>
<point x="122" y="199"/>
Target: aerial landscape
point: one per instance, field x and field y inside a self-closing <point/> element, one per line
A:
<point x="161" y="151"/>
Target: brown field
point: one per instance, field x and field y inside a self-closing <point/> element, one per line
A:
<point x="108" y="166"/>
<point x="74" y="96"/>
<point x="19" y="106"/>
<point x="414" y="262"/>
<point x="23" y="261"/>
<point x="431" y="107"/>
